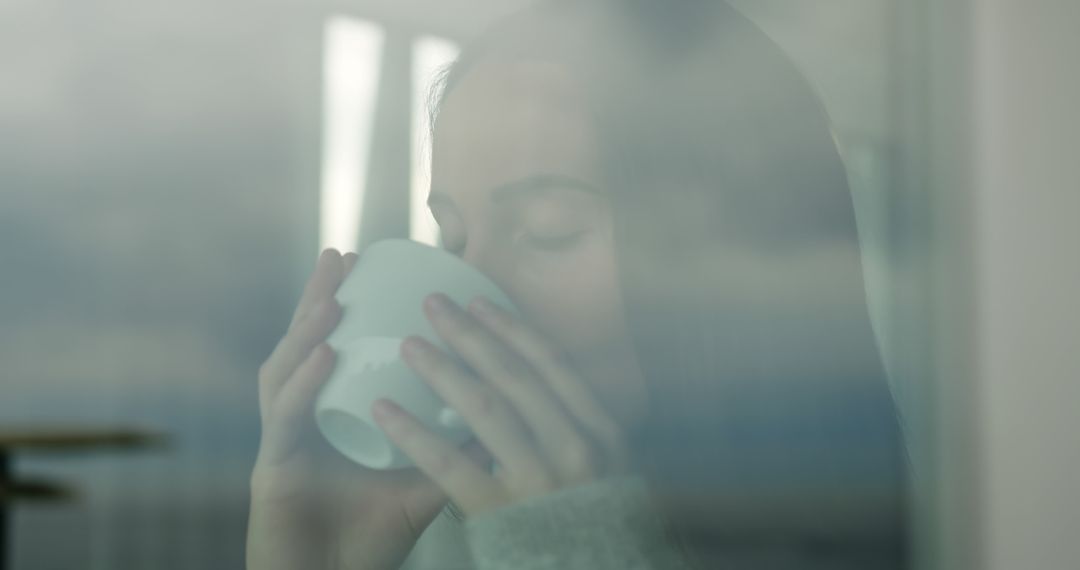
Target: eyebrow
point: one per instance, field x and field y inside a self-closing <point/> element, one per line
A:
<point x="531" y="185"/>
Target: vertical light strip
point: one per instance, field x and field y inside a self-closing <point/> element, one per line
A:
<point x="430" y="55"/>
<point x="352" y="51"/>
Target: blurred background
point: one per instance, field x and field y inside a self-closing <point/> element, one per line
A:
<point x="169" y="171"/>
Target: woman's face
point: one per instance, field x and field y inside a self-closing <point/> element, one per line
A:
<point x="517" y="193"/>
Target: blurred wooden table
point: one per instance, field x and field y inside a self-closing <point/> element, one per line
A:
<point x="54" y="440"/>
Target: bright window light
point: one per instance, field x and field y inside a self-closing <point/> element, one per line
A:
<point x="352" y="53"/>
<point x="430" y="55"/>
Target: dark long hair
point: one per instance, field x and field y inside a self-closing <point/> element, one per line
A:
<point x="771" y="421"/>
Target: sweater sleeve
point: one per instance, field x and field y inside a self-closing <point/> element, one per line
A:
<point x="608" y="524"/>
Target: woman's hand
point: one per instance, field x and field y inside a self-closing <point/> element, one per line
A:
<point x="311" y="507"/>
<point x="523" y="401"/>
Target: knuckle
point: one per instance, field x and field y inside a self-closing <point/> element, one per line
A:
<point x="463" y="325"/>
<point x="511" y="327"/>
<point x="513" y="366"/>
<point x="537" y="481"/>
<point x="617" y="442"/>
<point x="580" y="458"/>
<point x="442" y="464"/>
<point x="610" y="433"/>
<point x="259" y="482"/>
<point x="556" y="356"/>
<point x="264" y="371"/>
<point x="481" y="403"/>
<point x="275" y="411"/>
<point x="619" y="460"/>
<point x="402" y="433"/>
<point x="267" y="371"/>
<point x="310" y="361"/>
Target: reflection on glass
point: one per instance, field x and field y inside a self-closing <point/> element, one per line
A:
<point x="430" y="54"/>
<point x="352" y="55"/>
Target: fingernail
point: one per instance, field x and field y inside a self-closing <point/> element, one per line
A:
<point x="481" y="306"/>
<point x="328" y="253"/>
<point x="439" y="303"/>
<point x="488" y="312"/>
<point x="414" y="347"/>
<point x="319" y="356"/>
<point x="350" y="260"/>
<point x="385" y="410"/>
<point x="328" y="307"/>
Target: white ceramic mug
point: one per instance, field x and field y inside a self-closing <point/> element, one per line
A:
<point x="382" y="304"/>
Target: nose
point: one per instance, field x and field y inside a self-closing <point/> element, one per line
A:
<point x="485" y="257"/>
<point x="478" y="255"/>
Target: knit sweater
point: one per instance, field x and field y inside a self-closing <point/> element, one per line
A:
<point x="601" y="525"/>
<point x="609" y="524"/>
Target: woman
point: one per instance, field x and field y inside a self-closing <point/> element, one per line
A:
<point x="656" y="188"/>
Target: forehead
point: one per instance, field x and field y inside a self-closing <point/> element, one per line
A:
<point x="505" y="121"/>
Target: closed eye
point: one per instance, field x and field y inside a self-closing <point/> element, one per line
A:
<point x="553" y="243"/>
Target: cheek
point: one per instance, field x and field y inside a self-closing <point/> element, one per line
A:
<point x="580" y="309"/>
<point x="575" y="300"/>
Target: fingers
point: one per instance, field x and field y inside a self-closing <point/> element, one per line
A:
<point x="288" y="413"/>
<point x="492" y="419"/>
<point x="349" y="260"/>
<point x="468" y="484"/>
<point x="553" y="367"/>
<point x="324" y="281"/>
<point x="295" y="346"/>
<point x="514" y="378"/>
<point x="316" y="314"/>
<point x="478" y="453"/>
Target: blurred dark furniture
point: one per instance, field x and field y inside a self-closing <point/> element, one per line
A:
<point x="53" y="440"/>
